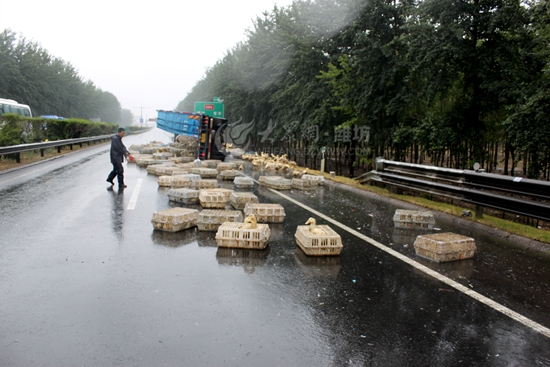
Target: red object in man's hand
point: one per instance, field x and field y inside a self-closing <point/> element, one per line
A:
<point x="131" y="159"/>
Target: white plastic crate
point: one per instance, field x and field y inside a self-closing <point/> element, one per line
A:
<point x="165" y="170"/>
<point x="152" y="168"/>
<point x="301" y="184"/>
<point x="233" y="235"/>
<point x="413" y="219"/>
<point x="224" y="166"/>
<point x="144" y="162"/>
<point x="229" y="174"/>
<point x="165" y="181"/>
<point x="226" y="192"/>
<point x="278" y="184"/>
<point x="211" y="220"/>
<point x="211" y="163"/>
<point x="266" y="213"/>
<point x="180" y="171"/>
<point x="185" y="196"/>
<point x="243" y="182"/>
<point x="238" y="200"/>
<point x="262" y="179"/>
<point x="204" y="184"/>
<point x="317" y="180"/>
<point x="328" y="243"/>
<point x="442" y="247"/>
<point x="184" y="159"/>
<point x="184" y="180"/>
<point x="204" y="172"/>
<point x="162" y="156"/>
<point x="175" y="219"/>
<point x="210" y="199"/>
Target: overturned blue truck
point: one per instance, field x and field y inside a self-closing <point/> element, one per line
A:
<point x="206" y="129"/>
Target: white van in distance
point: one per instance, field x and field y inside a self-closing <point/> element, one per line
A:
<point x="11" y="106"/>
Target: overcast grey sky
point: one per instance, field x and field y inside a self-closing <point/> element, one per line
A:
<point x="148" y="54"/>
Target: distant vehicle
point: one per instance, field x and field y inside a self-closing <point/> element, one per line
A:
<point x="11" y="106"/>
<point x="55" y="117"/>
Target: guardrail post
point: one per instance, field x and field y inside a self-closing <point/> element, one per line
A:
<point x="18" y="157"/>
<point x="479" y="211"/>
<point x="59" y="149"/>
<point x="42" y="152"/>
<point x="379" y="164"/>
<point x="70" y="146"/>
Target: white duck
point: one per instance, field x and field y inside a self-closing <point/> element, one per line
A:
<point x="250" y="222"/>
<point x="312" y="227"/>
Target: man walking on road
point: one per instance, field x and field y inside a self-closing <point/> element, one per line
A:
<point x="118" y="152"/>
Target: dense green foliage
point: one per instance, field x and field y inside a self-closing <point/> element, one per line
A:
<point x="49" y="85"/>
<point x="15" y="129"/>
<point x="449" y="82"/>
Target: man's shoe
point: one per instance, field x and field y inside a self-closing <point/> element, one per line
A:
<point x="111" y="182"/>
<point x="123" y="185"/>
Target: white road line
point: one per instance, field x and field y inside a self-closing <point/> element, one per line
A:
<point x="459" y="287"/>
<point x="135" y="194"/>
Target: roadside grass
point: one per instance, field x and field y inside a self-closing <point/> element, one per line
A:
<point x="488" y="220"/>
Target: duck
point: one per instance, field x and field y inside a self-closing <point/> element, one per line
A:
<point x="250" y="222"/>
<point x="313" y="227"/>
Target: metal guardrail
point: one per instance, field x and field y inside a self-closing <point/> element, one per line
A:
<point x="17" y="149"/>
<point x="521" y="196"/>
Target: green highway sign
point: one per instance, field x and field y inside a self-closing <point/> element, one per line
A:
<point x="212" y="109"/>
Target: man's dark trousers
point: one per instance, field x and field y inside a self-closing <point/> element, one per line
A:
<point x="118" y="171"/>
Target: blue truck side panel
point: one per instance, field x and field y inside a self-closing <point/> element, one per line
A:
<point x="180" y="123"/>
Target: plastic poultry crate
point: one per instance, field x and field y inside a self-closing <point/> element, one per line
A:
<point x="413" y="219"/>
<point x="185" y="196"/>
<point x="443" y="247"/>
<point x="266" y="213"/>
<point x="175" y="219"/>
<point x="233" y="235"/>
<point x="239" y="200"/>
<point x="211" y="200"/>
<point x="328" y="243"/>
<point x="211" y="220"/>
<point x="243" y="182"/>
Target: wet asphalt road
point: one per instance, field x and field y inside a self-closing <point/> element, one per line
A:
<point x="86" y="281"/>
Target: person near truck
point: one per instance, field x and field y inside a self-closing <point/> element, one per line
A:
<point x="118" y="152"/>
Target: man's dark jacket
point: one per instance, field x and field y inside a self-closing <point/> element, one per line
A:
<point x="118" y="150"/>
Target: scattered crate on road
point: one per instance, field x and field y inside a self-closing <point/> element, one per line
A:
<point x="266" y="213"/>
<point x="175" y="219"/>
<point x="317" y="180"/>
<point x="243" y="182"/>
<point x="262" y="179"/>
<point x="226" y="192"/>
<point x="233" y="235"/>
<point x="442" y="247"/>
<point x="211" y="220"/>
<point x="301" y="184"/>
<point x="204" y="184"/>
<point x="204" y="172"/>
<point x="184" y="180"/>
<point x="209" y="199"/>
<point x="413" y="219"/>
<point x="185" y="196"/>
<point x="165" y="181"/>
<point x="211" y="163"/>
<point x="229" y="174"/>
<point x="152" y="168"/>
<point x="239" y="199"/>
<point x="278" y="183"/>
<point x="328" y="243"/>
<point x="225" y="166"/>
<point x="165" y="169"/>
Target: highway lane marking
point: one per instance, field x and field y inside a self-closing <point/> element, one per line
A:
<point x="451" y="283"/>
<point x="135" y="194"/>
